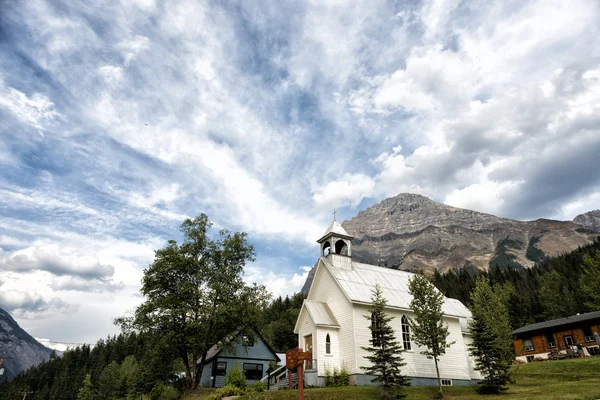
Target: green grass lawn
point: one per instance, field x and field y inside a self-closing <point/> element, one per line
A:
<point x="551" y="380"/>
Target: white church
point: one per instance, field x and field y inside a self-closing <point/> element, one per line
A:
<point x="332" y="323"/>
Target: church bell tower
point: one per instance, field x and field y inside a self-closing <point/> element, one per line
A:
<point x="336" y="240"/>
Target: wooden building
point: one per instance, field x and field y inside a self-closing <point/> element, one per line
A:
<point x="334" y="320"/>
<point x="248" y="352"/>
<point x="558" y="337"/>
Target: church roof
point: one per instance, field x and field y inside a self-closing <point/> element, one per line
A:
<point x="335" y="228"/>
<point x="359" y="281"/>
<point x="320" y="313"/>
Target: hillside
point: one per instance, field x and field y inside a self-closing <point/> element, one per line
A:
<point x="412" y="231"/>
<point x="20" y="350"/>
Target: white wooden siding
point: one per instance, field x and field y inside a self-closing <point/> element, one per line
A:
<point x="453" y="365"/>
<point x="325" y="288"/>
<point x="327" y="361"/>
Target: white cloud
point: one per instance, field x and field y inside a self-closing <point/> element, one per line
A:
<point x="29" y="303"/>
<point x="349" y="190"/>
<point x="36" y="110"/>
<point x="130" y="48"/>
<point x="49" y="258"/>
<point x="277" y="283"/>
<point x="110" y="73"/>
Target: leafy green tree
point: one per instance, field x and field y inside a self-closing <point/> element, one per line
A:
<point x="86" y="391"/>
<point x="130" y="375"/>
<point x="195" y="294"/>
<point x="590" y="281"/>
<point x="386" y="353"/>
<point x="492" y="341"/>
<point x="109" y="384"/>
<point x="427" y="325"/>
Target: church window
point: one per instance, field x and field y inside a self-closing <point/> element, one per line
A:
<point x="405" y="333"/>
<point x="327" y="344"/>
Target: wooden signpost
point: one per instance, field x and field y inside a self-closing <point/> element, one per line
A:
<point x="295" y="358"/>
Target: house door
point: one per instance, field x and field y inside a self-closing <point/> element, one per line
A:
<point x="568" y="340"/>
<point x="308" y="346"/>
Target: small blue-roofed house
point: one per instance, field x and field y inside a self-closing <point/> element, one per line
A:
<point x="249" y="352"/>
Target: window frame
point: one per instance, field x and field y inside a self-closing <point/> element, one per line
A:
<point x="258" y="369"/>
<point x="327" y="344"/>
<point x="528" y="348"/>
<point x="570" y="338"/>
<point x="220" y="371"/>
<point x="588" y="338"/>
<point x="405" y="333"/>
<point x="550" y="343"/>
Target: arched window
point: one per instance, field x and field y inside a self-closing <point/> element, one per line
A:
<point x="405" y="333"/>
<point x="326" y="249"/>
<point x="375" y="330"/>
<point x="327" y="344"/>
<point x="341" y="248"/>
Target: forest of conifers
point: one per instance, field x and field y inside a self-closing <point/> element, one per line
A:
<point x="128" y="365"/>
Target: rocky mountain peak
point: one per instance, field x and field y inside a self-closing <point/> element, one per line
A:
<point x="412" y="231"/>
<point x="20" y="349"/>
<point x="590" y="220"/>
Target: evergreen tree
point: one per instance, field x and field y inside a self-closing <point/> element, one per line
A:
<point x="428" y="328"/>
<point x="492" y="342"/>
<point x="590" y="281"/>
<point x="386" y="353"/>
<point x="86" y="393"/>
<point x="555" y="296"/>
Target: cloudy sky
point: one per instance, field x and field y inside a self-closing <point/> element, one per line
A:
<point x="119" y="120"/>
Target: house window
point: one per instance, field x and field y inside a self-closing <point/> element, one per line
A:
<point x="528" y="344"/>
<point x="327" y="344"/>
<point x="247" y="340"/>
<point x="446" y="382"/>
<point x="253" y="371"/>
<point x="405" y="333"/>
<point x="221" y="369"/>
<point x="588" y="335"/>
<point x="550" y="340"/>
<point x="375" y="334"/>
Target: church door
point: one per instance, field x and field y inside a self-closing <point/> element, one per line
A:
<point x="308" y="346"/>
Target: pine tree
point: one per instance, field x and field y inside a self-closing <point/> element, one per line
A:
<point x="492" y="342"/>
<point x="590" y="281"/>
<point x="386" y="353"/>
<point x="427" y="326"/>
<point x="85" y="393"/>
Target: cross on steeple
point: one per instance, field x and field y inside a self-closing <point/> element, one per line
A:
<point x="334" y="212"/>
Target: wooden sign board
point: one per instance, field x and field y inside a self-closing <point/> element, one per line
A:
<point x="295" y="357"/>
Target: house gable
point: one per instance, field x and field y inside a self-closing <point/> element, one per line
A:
<point x="249" y="349"/>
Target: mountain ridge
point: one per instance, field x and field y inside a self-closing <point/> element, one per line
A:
<point x="411" y="231"/>
<point x="19" y="349"/>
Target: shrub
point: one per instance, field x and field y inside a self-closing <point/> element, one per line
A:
<point x="259" y="387"/>
<point x="342" y="378"/>
<point x="328" y="378"/>
<point x="235" y="377"/>
<point x="164" y="392"/>
<point x="226" y="391"/>
<point x="337" y="378"/>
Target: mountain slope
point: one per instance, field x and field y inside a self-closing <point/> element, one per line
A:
<point x="412" y="231"/>
<point x="20" y="350"/>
